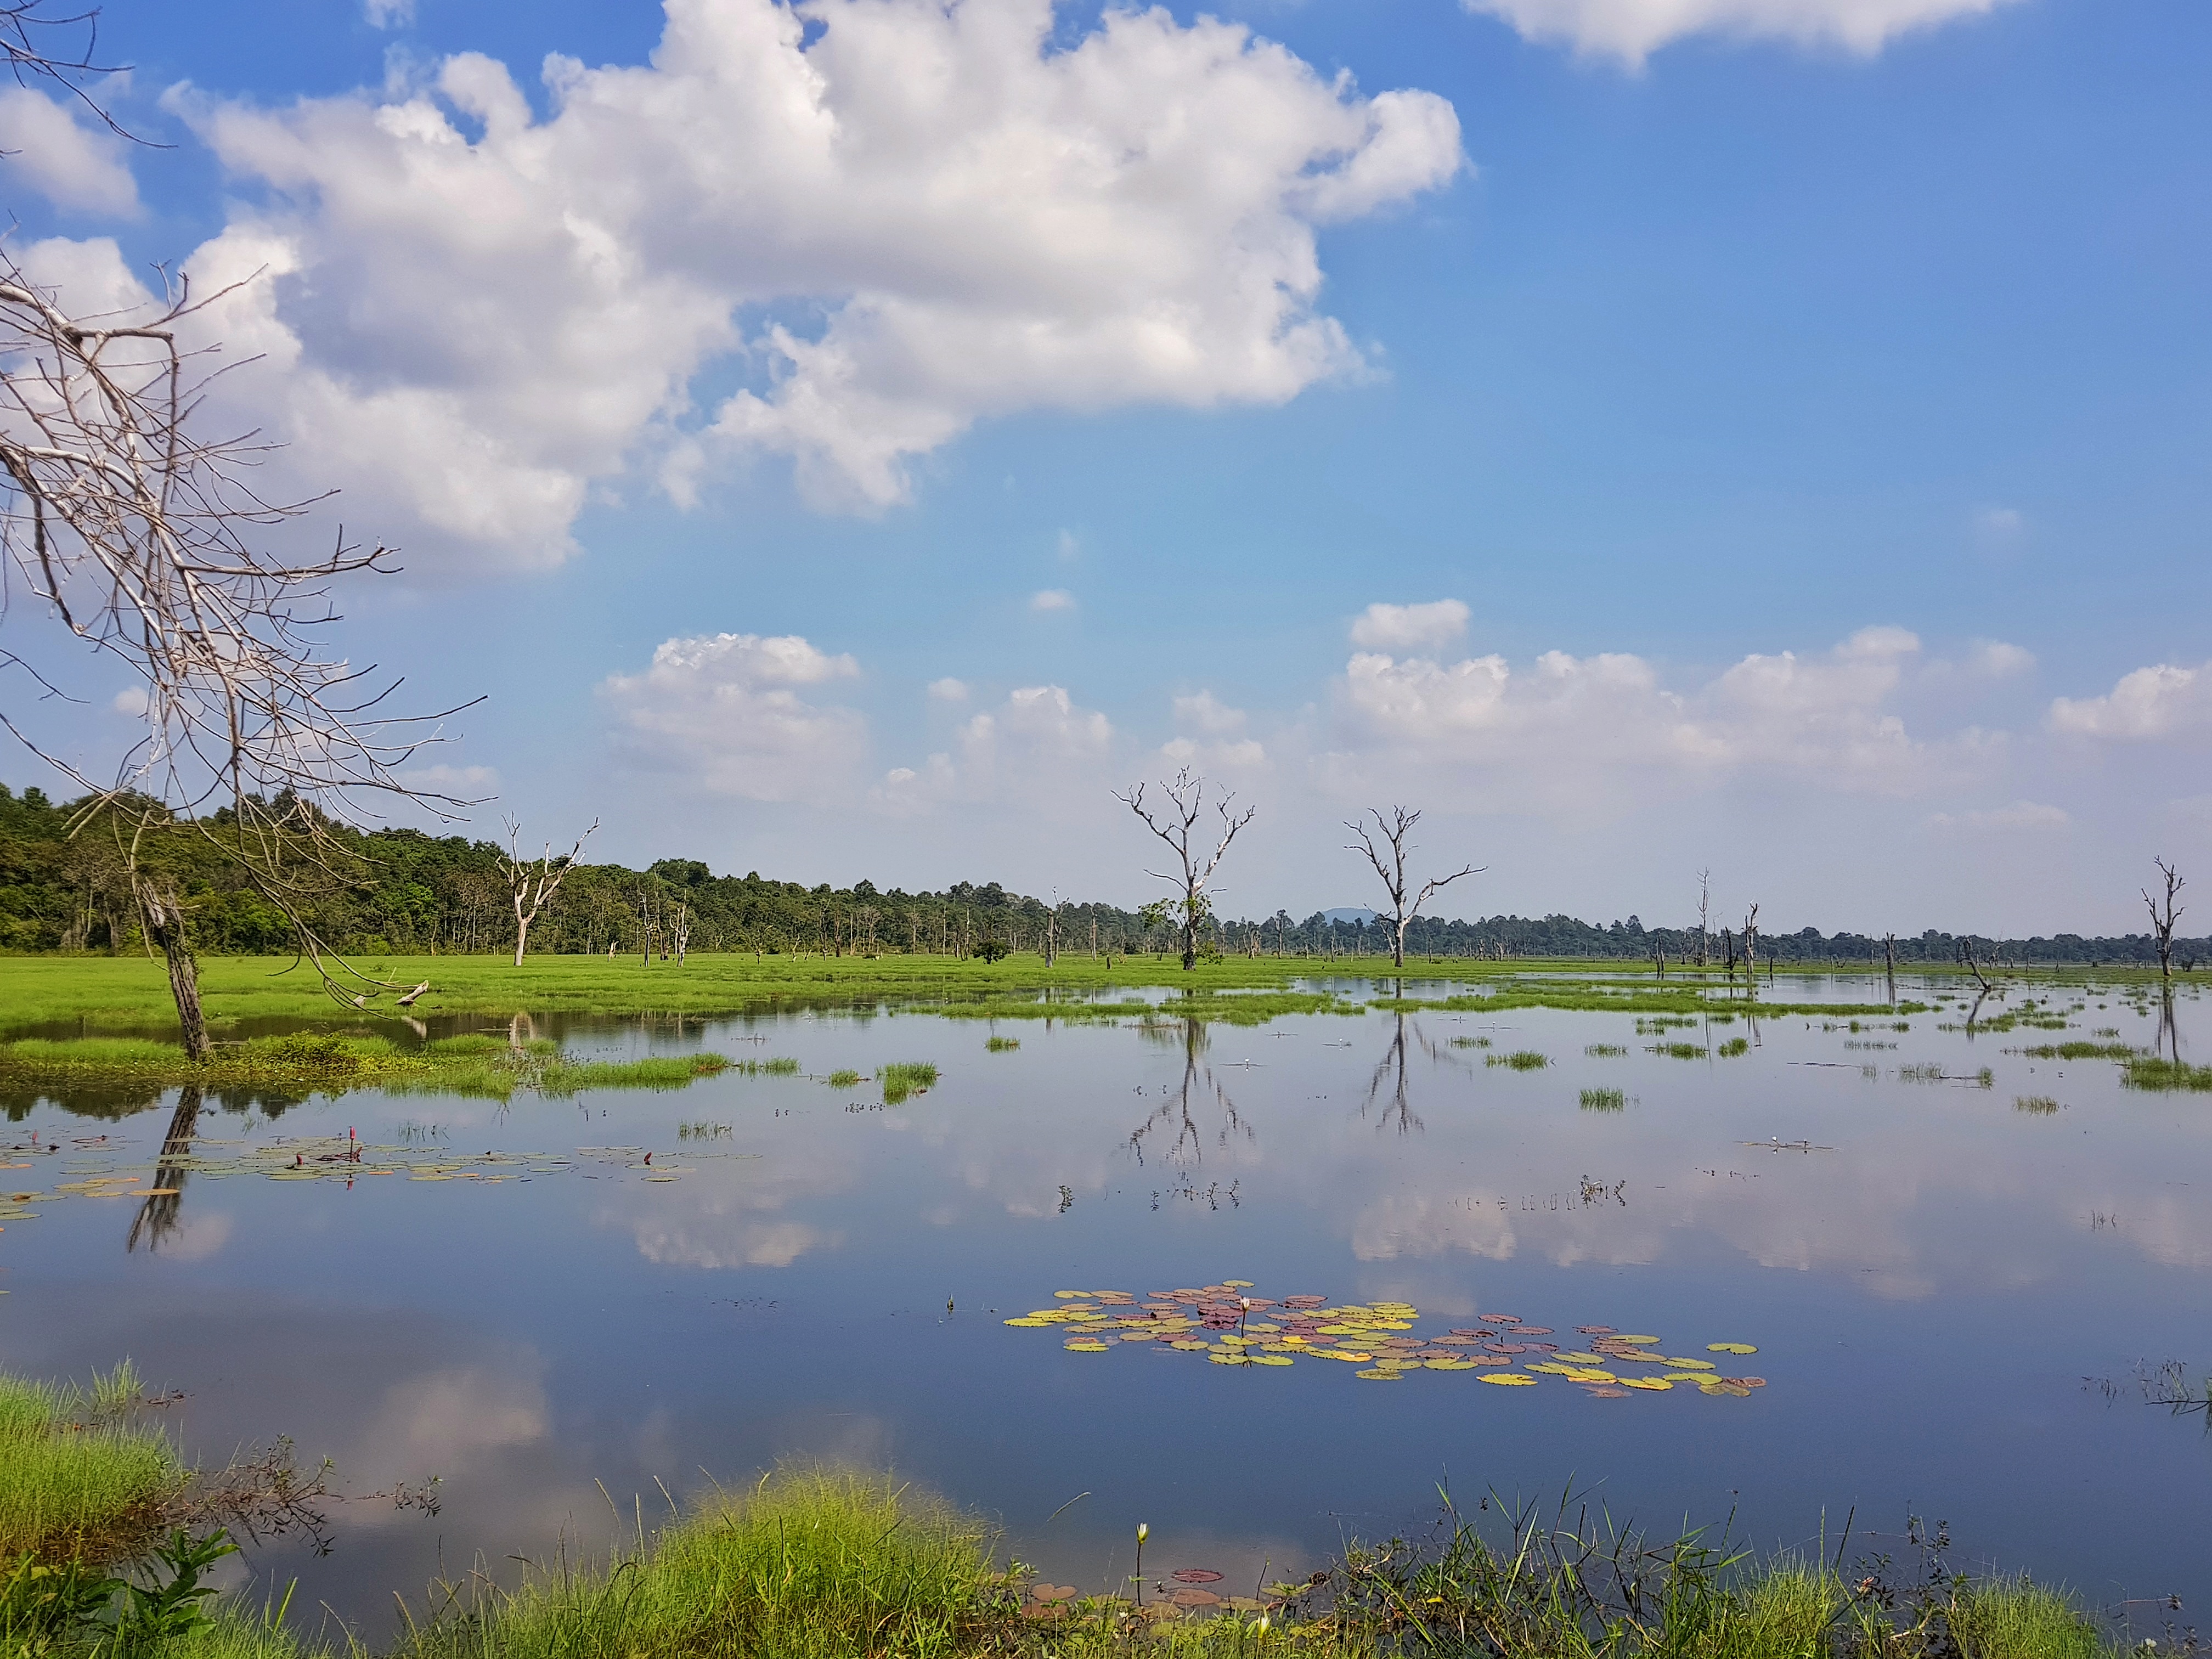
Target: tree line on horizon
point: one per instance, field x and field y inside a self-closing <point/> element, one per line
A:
<point x="406" y="892"/>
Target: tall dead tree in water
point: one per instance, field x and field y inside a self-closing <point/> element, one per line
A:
<point x="1175" y="822"/>
<point x="1391" y="866"/>
<point x="2164" y="914"/>
<point x="132" y="527"/>
<point x="1705" y="914"/>
<point x="531" y="883"/>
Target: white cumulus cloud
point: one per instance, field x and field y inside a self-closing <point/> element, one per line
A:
<point x="1410" y="627"/>
<point x="1038" y="750"/>
<point x="472" y="315"/>
<point x="725" y="712"/>
<point x="2158" y="701"/>
<point x="1567" y="731"/>
<point x="62" y="152"/>
<point x="1633" y="29"/>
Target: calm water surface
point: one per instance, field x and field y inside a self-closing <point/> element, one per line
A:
<point x="1937" y="1280"/>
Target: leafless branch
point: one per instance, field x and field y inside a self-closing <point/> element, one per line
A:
<point x="1395" y="830"/>
<point x="1175" y="823"/>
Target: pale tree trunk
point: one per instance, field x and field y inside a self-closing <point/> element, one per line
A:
<point x="164" y="927"/>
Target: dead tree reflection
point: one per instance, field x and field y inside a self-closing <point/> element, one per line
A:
<point x="1390" y="1072"/>
<point x="162" y="1208"/>
<point x="1173" y="1130"/>
<point x="2169" y="1033"/>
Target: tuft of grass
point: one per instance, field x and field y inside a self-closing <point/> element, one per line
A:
<point x="2019" y="1618"/>
<point x="2149" y="1072"/>
<point x="1604" y="1050"/>
<point x="1470" y="1042"/>
<point x="808" y="1565"/>
<point x="2036" y="1105"/>
<point x="1677" y="1050"/>
<point x="702" y="1131"/>
<point x="902" y="1078"/>
<point x="1604" y="1100"/>
<point x="843" y="1078"/>
<point x="1735" y="1047"/>
<point x="1521" y="1060"/>
<point x="999" y="1045"/>
<point x="78" y="1482"/>
<point x="2080" y="1050"/>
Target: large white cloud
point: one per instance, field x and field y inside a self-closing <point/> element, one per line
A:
<point x="1631" y="29"/>
<point x="2158" y="701"/>
<point x="1038" y="751"/>
<point x="1569" y="732"/>
<point x="61" y="151"/>
<point x="724" y="713"/>
<point x="895" y="217"/>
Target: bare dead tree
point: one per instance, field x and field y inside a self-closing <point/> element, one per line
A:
<point x="680" y="931"/>
<point x="1751" y="945"/>
<point x="2164" y="915"/>
<point x="1973" y="967"/>
<point x="1704" y="912"/>
<point x="531" y="883"/>
<point x="135" y="529"/>
<point x="1175" y="823"/>
<point x="1394" y="831"/>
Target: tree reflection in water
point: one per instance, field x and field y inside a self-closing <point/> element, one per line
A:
<point x="162" y="1210"/>
<point x="1184" y="1105"/>
<point x="1390" y="1071"/>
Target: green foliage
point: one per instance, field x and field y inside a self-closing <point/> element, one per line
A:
<point x="1735" y="1047"/>
<point x="2149" y="1072"/>
<point x="77" y="1481"/>
<point x="1002" y="1045"/>
<point x="905" y="1078"/>
<point x="1521" y="1060"/>
<point x="843" y="1078"/>
<point x="1604" y="1100"/>
<point x="809" y="1565"/>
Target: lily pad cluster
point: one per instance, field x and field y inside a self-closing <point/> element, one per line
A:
<point x="1381" y="1339"/>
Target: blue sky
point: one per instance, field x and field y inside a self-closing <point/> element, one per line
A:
<point x="1124" y="370"/>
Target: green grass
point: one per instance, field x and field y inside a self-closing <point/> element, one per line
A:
<point x="477" y="1064"/>
<point x="1735" y="1047"/>
<point x="77" y="1481"/>
<point x="1677" y="1050"/>
<point x="1521" y="1060"/>
<point x="904" y="1077"/>
<point x="2036" y="1105"/>
<point x="1470" y="1042"/>
<point x="808" y="1565"/>
<point x="844" y="1078"/>
<point x="1001" y="1045"/>
<point x="2080" y="1051"/>
<point x="2149" y="1072"/>
<point x="1604" y="1100"/>
<point x="130" y="996"/>
<point x="1604" y="1050"/>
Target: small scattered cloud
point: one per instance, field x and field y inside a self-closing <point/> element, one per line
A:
<point x="389" y="14"/>
<point x="1631" y="30"/>
<point x="1208" y="714"/>
<point x="1069" y="549"/>
<point x="131" y="701"/>
<point x="1999" y="525"/>
<point x="2158" y="701"/>
<point x="948" y="689"/>
<point x="462" y="782"/>
<point x="1051" y="598"/>
<point x="1994" y="659"/>
<point x="2020" y="815"/>
<point x="1410" y="627"/>
<point x="71" y="160"/>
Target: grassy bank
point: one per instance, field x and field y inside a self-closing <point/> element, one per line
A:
<point x="123" y="994"/>
<point x="835" y="1565"/>
<point x="78" y="1482"/>
<point x="478" y="1065"/>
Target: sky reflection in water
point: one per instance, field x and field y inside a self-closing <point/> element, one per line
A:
<point x="1929" y="1288"/>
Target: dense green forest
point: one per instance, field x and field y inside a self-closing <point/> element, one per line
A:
<point x="404" y="891"/>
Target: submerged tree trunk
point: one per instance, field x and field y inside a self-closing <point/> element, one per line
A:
<point x="164" y="927"/>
